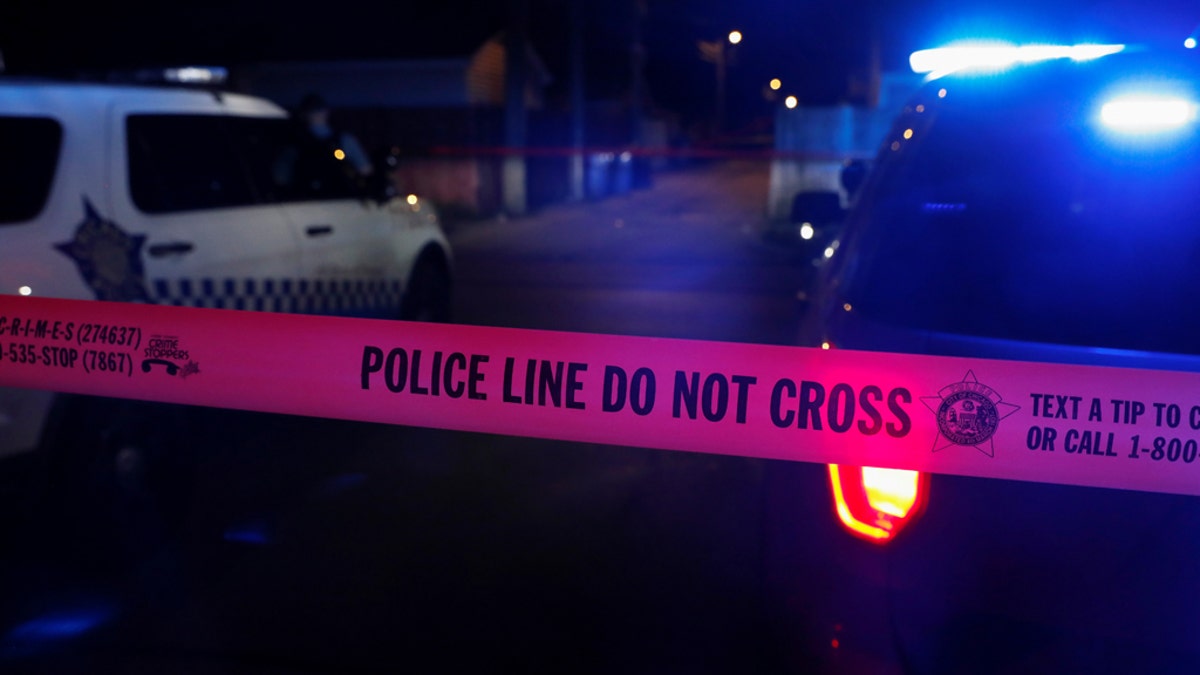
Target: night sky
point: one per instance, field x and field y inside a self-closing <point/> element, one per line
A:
<point x="813" y="46"/>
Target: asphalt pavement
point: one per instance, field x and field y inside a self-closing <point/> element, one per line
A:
<point x="712" y="212"/>
<point x="693" y="256"/>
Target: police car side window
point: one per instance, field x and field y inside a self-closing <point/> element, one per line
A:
<point x="288" y="165"/>
<point x="31" y="146"/>
<point x="184" y="163"/>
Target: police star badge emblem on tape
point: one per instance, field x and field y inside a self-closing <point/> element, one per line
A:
<point x="968" y="413"/>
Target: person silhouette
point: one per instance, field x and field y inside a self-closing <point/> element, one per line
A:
<point x="314" y="113"/>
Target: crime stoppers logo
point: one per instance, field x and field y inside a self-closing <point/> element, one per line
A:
<point x="968" y="413"/>
<point x="163" y="352"/>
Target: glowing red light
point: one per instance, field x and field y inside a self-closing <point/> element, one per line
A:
<point x="875" y="504"/>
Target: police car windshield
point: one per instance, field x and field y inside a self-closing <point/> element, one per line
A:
<point x="1006" y="210"/>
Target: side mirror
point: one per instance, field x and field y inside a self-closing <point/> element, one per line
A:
<point x="819" y="207"/>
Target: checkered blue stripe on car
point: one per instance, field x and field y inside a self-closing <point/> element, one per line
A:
<point x="297" y="296"/>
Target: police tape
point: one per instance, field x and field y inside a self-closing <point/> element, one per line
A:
<point x="1066" y="424"/>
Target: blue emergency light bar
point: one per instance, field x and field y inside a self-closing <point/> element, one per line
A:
<point x="994" y="56"/>
<point x="196" y="75"/>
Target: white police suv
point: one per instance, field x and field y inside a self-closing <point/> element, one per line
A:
<point x="195" y="197"/>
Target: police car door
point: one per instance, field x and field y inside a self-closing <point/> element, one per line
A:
<point x="347" y="240"/>
<point x="206" y="238"/>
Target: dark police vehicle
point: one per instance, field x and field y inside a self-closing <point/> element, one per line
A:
<point x="1036" y="204"/>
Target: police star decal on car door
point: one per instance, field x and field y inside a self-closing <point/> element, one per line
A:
<point x="109" y="259"/>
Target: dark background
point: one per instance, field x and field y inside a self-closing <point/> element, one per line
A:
<point x="814" y="45"/>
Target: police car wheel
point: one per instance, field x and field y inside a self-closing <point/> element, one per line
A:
<point x="119" y="478"/>
<point x="428" y="295"/>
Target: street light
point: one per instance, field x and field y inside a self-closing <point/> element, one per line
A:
<point x="735" y="36"/>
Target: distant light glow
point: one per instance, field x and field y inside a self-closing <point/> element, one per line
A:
<point x="1190" y="43"/>
<point x="993" y="56"/>
<point x="825" y="345"/>
<point x="791" y="102"/>
<point x="411" y="199"/>
<point x="943" y="207"/>
<point x="735" y="36"/>
<point x="921" y="106"/>
<point x="806" y="231"/>
<point x="942" y="93"/>
<point x="908" y="134"/>
<point x="775" y="84"/>
<point x="339" y="154"/>
<point x="25" y="290"/>
<point x="829" y="251"/>
<point x="1138" y="114"/>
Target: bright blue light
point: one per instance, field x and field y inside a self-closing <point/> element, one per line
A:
<point x="993" y="56"/>
<point x="42" y="632"/>
<point x="1147" y="114"/>
<point x="1190" y="43"/>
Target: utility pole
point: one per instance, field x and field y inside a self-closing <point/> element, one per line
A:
<point x="578" y="99"/>
<point x="515" y="120"/>
<point x="637" y="80"/>
<point x="719" y="52"/>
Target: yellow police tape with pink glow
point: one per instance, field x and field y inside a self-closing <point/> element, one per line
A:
<point x="1077" y="425"/>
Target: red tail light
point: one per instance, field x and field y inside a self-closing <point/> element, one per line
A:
<point x="874" y="503"/>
